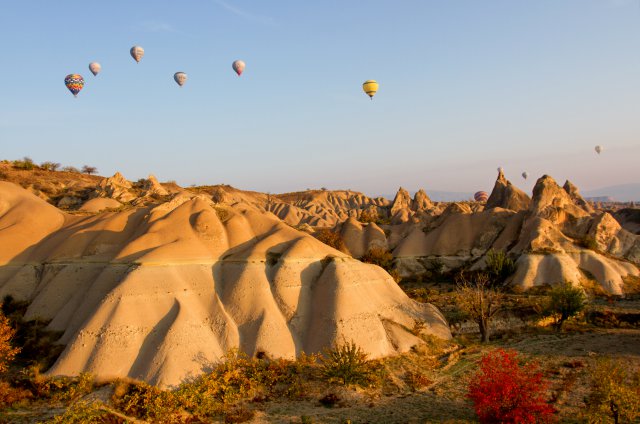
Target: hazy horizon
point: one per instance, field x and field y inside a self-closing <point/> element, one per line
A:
<point x="465" y="87"/>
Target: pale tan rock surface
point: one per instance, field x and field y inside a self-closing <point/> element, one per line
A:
<point x="160" y="293"/>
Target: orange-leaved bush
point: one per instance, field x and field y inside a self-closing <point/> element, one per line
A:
<point x="505" y="391"/>
<point x="7" y="352"/>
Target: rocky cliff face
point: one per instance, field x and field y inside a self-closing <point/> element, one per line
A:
<point x="507" y="196"/>
<point x="159" y="292"/>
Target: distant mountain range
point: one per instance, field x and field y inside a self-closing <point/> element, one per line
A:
<point x="619" y="193"/>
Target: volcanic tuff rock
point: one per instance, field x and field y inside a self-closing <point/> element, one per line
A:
<point x="578" y="200"/>
<point x="360" y="238"/>
<point x="159" y="293"/>
<point x="152" y="187"/>
<point x="421" y="201"/>
<point x="116" y="187"/>
<point x="507" y="196"/>
<point x="402" y="201"/>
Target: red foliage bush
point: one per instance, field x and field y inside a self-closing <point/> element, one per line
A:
<point x="503" y="391"/>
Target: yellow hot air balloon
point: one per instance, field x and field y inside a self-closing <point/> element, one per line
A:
<point x="370" y="87"/>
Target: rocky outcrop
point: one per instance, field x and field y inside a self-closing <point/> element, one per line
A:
<point x="507" y="196"/>
<point x="402" y="201"/>
<point x="575" y="196"/>
<point x="421" y="201"/>
<point x="160" y="293"/>
<point x="152" y="187"/>
<point x="115" y="187"/>
<point x="359" y="238"/>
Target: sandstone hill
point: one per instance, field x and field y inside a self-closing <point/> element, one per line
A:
<point x="161" y="289"/>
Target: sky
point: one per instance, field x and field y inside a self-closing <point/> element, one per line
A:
<point x="466" y="86"/>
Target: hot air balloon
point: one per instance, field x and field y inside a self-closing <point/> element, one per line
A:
<point x="137" y="53"/>
<point x="74" y="83"/>
<point x="481" y="196"/>
<point x="238" y="66"/>
<point x="525" y="174"/>
<point x="598" y="149"/>
<point x="180" y="78"/>
<point x="370" y="87"/>
<point x="95" y="68"/>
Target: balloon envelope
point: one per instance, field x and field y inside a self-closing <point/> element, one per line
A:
<point x="598" y="149"/>
<point x="370" y="87"/>
<point x="74" y="83"/>
<point x="481" y="196"/>
<point x="238" y="66"/>
<point x="95" y="68"/>
<point x="525" y="174"/>
<point x="180" y="78"/>
<point x="137" y="53"/>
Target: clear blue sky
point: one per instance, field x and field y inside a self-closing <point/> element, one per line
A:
<point x="465" y="86"/>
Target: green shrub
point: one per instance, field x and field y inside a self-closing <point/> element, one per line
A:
<point x="87" y="412"/>
<point x="614" y="391"/>
<point x="71" y="169"/>
<point x="50" y="166"/>
<point x="26" y="163"/>
<point x="565" y="301"/>
<point x="347" y="364"/>
<point x="146" y="402"/>
<point x="499" y="265"/>
<point x="588" y="242"/>
<point x="379" y="256"/>
<point x="331" y="239"/>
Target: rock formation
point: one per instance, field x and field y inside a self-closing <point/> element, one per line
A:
<point x="507" y="196"/>
<point x="159" y="293"/>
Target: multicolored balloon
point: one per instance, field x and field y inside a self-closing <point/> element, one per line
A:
<point x="180" y="78"/>
<point x="370" y="87"/>
<point x="481" y="196"/>
<point x="525" y="174"/>
<point x="137" y="53"/>
<point x="95" y="68"/>
<point x="74" y="83"/>
<point x="598" y="149"/>
<point x="238" y="66"/>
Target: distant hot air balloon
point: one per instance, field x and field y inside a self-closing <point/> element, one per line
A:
<point x="525" y="174"/>
<point x="370" y="87"/>
<point x="74" y="83"/>
<point x="481" y="196"/>
<point x="180" y="78"/>
<point x="137" y="53"/>
<point x="238" y="66"/>
<point x="95" y="68"/>
<point x="598" y="149"/>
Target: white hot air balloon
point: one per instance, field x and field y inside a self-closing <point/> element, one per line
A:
<point x="598" y="149"/>
<point x="525" y="174"/>
<point x="238" y="66"/>
<point x="137" y="53"/>
<point x="180" y="78"/>
<point x="95" y="68"/>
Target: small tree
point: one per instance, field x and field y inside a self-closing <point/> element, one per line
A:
<point x="330" y="238"/>
<point x="479" y="300"/>
<point x="50" y="166"/>
<point x="71" y="169"/>
<point x="499" y="265"/>
<point x="89" y="169"/>
<point x="7" y="351"/>
<point x="347" y="364"/>
<point x="504" y="391"/>
<point x="565" y="302"/>
<point x="614" y="392"/>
